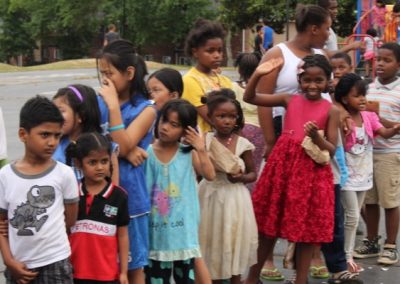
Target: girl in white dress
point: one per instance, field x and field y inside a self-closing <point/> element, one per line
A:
<point x="228" y="230"/>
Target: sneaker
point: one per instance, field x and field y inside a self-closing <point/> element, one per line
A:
<point x="389" y="255"/>
<point x="346" y="278"/>
<point x="368" y="249"/>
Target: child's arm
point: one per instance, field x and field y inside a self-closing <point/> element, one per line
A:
<point x="18" y="270"/>
<point x="250" y="94"/>
<point x="71" y="214"/>
<point x="123" y="249"/>
<point x="130" y="137"/>
<point x="388" y="132"/>
<point x="115" y="168"/>
<point x="137" y="156"/>
<point x="311" y="130"/>
<point x="201" y="161"/>
<point x="388" y="123"/>
<point x="250" y="174"/>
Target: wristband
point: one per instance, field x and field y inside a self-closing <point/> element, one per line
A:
<point x="116" y="127"/>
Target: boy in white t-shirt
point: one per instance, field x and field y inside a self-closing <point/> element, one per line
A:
<point x="39" y="198"/>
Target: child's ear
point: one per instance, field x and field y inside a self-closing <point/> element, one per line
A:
<point x="130" y="71"/>
<point x="344" y="100"/>
<point x="174" y="95"/>
<point x="22" y="133"/>
<point x="194" y="52"/>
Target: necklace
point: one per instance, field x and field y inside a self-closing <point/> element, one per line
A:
<point x="227" y="142"/>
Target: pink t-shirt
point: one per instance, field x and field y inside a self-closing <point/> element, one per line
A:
<point x="371" y="125"/>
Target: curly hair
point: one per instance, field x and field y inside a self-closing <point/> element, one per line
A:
<point x="202" y="31"/>
<point x="346" y="83"/>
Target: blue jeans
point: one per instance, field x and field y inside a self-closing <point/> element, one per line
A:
<point x="334" y="254"/>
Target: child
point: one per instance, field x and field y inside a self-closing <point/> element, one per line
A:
<point x="172" y="186"/>
<point x="228" y="231"/>
<point x="205" y="43"/>
<point x="370" y="48"/>
<point x="379" y="17"/>
<point x="99" y="238"/>
<point x="246" y="64"/>
<point x="294" y="198"/>
<point x="39" y="198"/>
<point x="164" y="85"/>
<point x="385" y="192"/>
<point x="3" y="142"/>
<point x="350" y="92"/>
<point x="129" y="117"/>
<point x="341" y="65"/>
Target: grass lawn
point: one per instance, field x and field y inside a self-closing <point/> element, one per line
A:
<point x="74" y="64"/>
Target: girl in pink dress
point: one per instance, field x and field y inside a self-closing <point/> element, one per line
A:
<point x="294" y="196"/>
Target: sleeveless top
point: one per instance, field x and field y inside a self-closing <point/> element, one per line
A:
<point x="301" y="110"/>
<point x="287" y="78"/>
<point x="175" y="209"/>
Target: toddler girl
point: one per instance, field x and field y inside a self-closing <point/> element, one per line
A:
<point x="99" y="238"/>
<point x="228" y="231"/>
<point x="172" y="185"/>
<point x="350" y="92"/>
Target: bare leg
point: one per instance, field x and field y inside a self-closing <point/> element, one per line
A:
<point x="367" y="68"/>
<point x="372" y="214"/>
<point x="303" y="261"/>
<point x="392" y="224"/>
<point x="136" y="276"/>
<point x="265" y="247"/>
<point x="202" y="275"/>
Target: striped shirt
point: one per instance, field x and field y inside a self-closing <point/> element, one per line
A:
<point x="388" y="97"/>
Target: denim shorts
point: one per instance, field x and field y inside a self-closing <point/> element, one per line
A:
<point x="138" y="230"/>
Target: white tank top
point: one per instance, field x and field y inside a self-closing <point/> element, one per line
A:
<point x="286" y="82"/>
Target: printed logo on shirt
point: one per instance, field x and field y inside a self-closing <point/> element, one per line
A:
<point x="94" y="227"/>
<point x="110" y="211"/>
<point x="39" y="198"/>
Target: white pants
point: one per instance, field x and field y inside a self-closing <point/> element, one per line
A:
<point x="352" y="202"/>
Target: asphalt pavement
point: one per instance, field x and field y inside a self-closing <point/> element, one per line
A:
<point x="17" y="87"/>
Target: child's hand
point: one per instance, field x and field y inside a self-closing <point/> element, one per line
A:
<point x="123" y="278"/>
<point x="196" y="139"/>
<point x="20" y="272"/>
<point x="269" y="66"/>
<point x="234" y="178"/>
<point x="4" y="228"/>
<point x="109" y="93"/>
<point x="136" y="157"/>
<point x="311" y="129"/>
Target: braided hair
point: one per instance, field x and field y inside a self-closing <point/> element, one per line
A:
<point x="216" y="98"/>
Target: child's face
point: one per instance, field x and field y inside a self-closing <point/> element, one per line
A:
<point x="210" y="55"/>
<point x="333" y="9"/>
<point x="170" y="130"/>
<point x="355" y="101"/>
<point x="313" y="82"/>
<point x="96" y="166"/>
<point x="72" y="121"/>
<point x="387" y="65"/>
<point x="340" y="67"/>
<point x="121" y="80"/>
<point x="224" y="118"/>
<point x="159" y="93"/>
<point x="42" y="140"/>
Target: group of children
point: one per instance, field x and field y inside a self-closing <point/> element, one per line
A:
<point x="149" y="193"/>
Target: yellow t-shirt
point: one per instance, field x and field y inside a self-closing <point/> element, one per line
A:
<point x="197" y="84"/>
<point x="249" y="111"/>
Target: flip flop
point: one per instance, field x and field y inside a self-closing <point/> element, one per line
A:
<point x="271" y="274"/>
<point x="319" y="272"/>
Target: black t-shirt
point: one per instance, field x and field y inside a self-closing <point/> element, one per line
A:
<point x="112" y="36"/>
